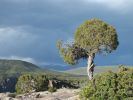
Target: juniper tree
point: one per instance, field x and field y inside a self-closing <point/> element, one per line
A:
<point x="92" y="37"/>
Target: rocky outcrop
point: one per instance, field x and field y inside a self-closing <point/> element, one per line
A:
<point x="62" y="84"/>
<point x="8" y="84"/>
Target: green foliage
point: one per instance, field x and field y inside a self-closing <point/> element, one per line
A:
<point x="93" y="36"/>
<point x="110" y="86"/>
<point x="71" y="52"/>
<point x="31" y="82"/>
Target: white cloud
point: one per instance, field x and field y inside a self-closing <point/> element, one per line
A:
<point x="31" y="60"/>
<point x="49" y="63"/>
<point x="15" y="39"/>
<point x="14" y="42"/>
<point x="11" y="34"/>
<point x="27" y="59"/>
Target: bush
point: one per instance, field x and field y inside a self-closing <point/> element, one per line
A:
<point x="110" y="86"/>
<point x="31" y="82"/>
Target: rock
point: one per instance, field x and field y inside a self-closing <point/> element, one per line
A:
<point x="60" y="94"/>
<point x="8" y="84"/>
<point x="74" y="97"/>
<point x="8" y="98"/>
<point x="2" y="94"/>
<point x="13" y="95"/>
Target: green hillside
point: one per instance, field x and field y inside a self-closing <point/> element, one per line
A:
<point x="10" y="67"/>
<point x="17" y="66"/>
<point x="98" y="69"/>
<point x="11" y="70"/>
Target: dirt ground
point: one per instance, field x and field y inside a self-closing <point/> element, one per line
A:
<point x="60" y="94"/>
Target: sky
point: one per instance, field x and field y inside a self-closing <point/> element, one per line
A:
<point x="29" y="29"/>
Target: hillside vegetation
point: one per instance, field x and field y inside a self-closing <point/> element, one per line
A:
<point x="16" y="66"/>
<point x="12" y="71"/>
<point x="9" y="68"/>
<point x="110" y="86"/>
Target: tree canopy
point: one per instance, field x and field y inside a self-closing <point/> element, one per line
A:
<point x="92" y="37"/>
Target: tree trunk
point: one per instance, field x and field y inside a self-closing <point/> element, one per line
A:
<point x="90" y="67"/>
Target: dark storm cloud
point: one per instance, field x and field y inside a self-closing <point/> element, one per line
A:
<point x="30" y="28"/>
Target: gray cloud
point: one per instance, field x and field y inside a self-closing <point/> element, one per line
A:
<point x="121" y="6"/>
<point x="30" y="29"/>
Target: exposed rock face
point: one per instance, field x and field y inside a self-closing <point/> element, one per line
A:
<point x="8" y="84"/>
<point x="62" y="84"/>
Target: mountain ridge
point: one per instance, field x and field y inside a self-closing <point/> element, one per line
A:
<point x="98" y="69"/>
<point x="17" y="66"/>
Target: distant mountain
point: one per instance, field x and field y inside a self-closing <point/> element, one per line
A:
<point x="98" y="69"/>
<point x="58" y="67"/>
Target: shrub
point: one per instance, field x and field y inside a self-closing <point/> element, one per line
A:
<point x="31" y="82"/>
<point x="110" y="86"/>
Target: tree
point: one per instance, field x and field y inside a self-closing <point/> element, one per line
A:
<point x="92" y="37"/>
